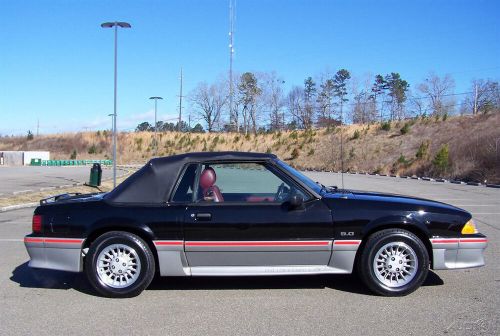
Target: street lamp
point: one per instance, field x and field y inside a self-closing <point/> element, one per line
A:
<point x="156" y="124"/>
<point x="115" y="25"/>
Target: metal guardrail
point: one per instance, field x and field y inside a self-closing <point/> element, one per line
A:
<point x="39" y="162"/>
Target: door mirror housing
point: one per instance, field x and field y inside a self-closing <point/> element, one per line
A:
<point x="296" y="201"/>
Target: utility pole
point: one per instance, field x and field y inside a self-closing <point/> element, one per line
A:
<point x="180" y="106"/>
<point x="475" y="99"/>
<point x="233" y="121"/>
<point x="156" y="123"/>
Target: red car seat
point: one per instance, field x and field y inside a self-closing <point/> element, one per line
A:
<point x="208" y="187"/>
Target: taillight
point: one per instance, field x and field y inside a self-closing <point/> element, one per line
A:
<point x="37" y="224"/>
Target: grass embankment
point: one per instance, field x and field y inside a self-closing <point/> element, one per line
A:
<point x="458" y="147"/>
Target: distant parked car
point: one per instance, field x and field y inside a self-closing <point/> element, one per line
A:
<point x="246" y="214"/>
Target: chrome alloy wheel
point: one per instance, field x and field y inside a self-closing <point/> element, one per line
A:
<point x="118" y="266"/>
<point x="395" y="264"/>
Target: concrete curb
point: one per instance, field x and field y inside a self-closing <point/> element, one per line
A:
<point x="22" y="192"/>
<point x="422" y="178"/>
<point x="19" y="206"/>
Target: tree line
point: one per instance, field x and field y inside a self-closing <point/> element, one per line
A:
<point x="261" y="102"/>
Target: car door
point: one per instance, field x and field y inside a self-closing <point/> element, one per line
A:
<point x="253" y="224"/>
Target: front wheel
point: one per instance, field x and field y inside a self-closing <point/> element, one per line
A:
<point x="119" y="264"/>
<point x="394" y="262"/>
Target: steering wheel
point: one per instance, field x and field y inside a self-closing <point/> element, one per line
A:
<point x="280" y="193"/>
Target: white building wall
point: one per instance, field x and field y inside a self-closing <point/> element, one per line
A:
<point x="35" y="155"/>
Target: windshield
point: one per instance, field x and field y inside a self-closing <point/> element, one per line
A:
<point x="304" y="179"/>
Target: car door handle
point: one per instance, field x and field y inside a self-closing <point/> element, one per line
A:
<point x="203" y="216"/>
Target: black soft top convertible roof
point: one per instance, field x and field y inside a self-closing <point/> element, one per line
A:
<point x="154" y="182"/>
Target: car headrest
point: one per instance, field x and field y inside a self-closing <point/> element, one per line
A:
<point x="207" y="178"/>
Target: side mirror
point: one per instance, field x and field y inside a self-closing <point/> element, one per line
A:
<point x="296" y="201"/>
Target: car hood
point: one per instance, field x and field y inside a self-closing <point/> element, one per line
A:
<point x="411" y="202"/>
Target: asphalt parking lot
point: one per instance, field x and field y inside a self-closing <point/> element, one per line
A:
<point x="15" y="179"/>
<point x="460" y="302"/>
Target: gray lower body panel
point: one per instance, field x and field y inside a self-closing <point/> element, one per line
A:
<point x="55" y="253"/>
<point x="178" y="258"/>
<point x="456" y="253"/>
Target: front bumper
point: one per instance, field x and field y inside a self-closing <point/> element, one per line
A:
<point x="455" y="253"/>
<point x="64" y="254"/>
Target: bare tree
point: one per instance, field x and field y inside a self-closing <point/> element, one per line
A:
<point x="416" y="105"/>
<point x="273" y="96"/>
<point x="209" y="101"/>
<point x="295" y="103"/>
<point x="309" y="107"/>
<point x="439" y="91"/>
<point x="325" y="102"/>
<point x="485" y="97"/>
<point x="363" y="110"/>
<point x="248" y="91"/>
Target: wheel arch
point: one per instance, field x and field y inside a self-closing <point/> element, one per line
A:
<point x="142" y="232"/>
<point x="412" y="227"/>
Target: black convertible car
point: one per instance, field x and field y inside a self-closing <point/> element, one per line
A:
<point x="244" y="214"/>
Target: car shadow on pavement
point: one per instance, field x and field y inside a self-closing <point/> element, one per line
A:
<point x="50" y="279"/>
<point x="345" y="283"/>
<point x="29" y="277"/>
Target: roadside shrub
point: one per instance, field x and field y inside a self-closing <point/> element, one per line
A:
<point x="385" y="126"/>
<point x="30" y="136"/>
<point x="352" y="153"/>
<point x="311" y="152"/>
<point x="356" y="135"/>
<point x="295" y="153"/>
<point x="405" y="129"/>
<point x="92" y="149"/>
<point x="442" y="160"/>
<point x="403" y="161"/>
<point x="73" y="155"/>
<point x="423" y="150"/>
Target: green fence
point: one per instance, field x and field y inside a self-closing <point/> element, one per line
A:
<point x="39" y="162"/>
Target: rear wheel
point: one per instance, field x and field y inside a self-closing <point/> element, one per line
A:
<point x="119" y="264"/>
<point x="394" y="262"/>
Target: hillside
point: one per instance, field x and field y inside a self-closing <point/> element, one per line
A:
<point x="468" y="146"/>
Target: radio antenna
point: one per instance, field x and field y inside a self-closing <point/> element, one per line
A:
<point x="342" y="146"/>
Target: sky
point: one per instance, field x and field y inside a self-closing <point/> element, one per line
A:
<point x="56" y="62"/>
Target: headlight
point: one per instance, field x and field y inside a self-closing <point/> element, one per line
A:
<point x="469" y="228"/>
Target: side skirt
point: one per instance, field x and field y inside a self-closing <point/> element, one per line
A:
<point x="173" y="261"/>
<point x="264" y="270"/>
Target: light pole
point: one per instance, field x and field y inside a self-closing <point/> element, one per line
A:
<point x="115" y="25"/>
<point x="156" y="124"/>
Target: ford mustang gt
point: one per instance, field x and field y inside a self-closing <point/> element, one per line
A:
<point x="246" y="214"/>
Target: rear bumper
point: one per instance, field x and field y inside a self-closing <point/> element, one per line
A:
<point x="64" y="254"/>
<point x="455" y="253"/>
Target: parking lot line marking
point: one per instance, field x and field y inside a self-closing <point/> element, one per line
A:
<point x="11" y="240"/>
<point x="477" y="205"/>
<point x="486" y="213"/>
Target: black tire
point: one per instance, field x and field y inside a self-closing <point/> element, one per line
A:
<point x="142" y="278"/>
<point x="383" y="238"/>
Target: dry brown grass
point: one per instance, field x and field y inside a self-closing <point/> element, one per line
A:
<point x="471" y="141"/>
